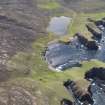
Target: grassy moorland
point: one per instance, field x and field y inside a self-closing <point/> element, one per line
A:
<point x="30" y="70"/>
<point x="49" y="5"/>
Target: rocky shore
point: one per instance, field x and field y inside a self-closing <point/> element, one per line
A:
<point x="95" y="93"/>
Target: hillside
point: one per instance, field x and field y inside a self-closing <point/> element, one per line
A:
<point x="25" y="78"/>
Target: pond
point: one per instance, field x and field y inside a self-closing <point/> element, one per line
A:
<point x="59" y="25"/>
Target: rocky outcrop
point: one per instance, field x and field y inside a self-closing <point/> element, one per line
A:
<point x="90" y="45"/>
<point x="81" y="39"/>
<point x="78" y="94"/>
<point x="95" y="94"/>
<point x="100" y="22"/>
<point x="95" y="73"/>
<point x="95" y="31"/>
<point x="66" y="102"/>
<point x="96" y="22"/>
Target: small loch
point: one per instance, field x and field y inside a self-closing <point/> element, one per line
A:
<point x="59" y="25"/>
<point x="61" y="56"/>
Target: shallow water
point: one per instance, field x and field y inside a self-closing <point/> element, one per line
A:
<point x="62" y="56"/>
<point x="98" y="94"/>
<point x="59" y="25"/>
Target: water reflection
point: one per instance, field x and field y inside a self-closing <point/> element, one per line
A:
<point x="59" y="25"/>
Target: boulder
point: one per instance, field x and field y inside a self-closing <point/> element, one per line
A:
<point x="91" y="45"/>
<point x="66" y="102"/>
<point x="81" y="39"/>
<point x="100" y="22"/>
<point x="95" y="73"/>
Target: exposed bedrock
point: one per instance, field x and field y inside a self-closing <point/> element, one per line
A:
<point x="90" y="45"/>
<point x="95" y="93"/>
<point x="94" y="30"/>
<point x="78" y="94"/>
<point x="100" y="22"/>
<point x="81" y="39"/>
<point x="95" y="73"/>
<point x="66" y="102"/>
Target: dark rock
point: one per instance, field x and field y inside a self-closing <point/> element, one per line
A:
<point x="103" y="18"/>
<point x="66" y="102"/>
<point x="97" y="22"/>
<point x="95" y="73"/>
<point x="103" y="23"/>
<point x="91" y="45"/>
<point x="81" y="39"/>
<point x="78" y="94"/>
<point x="86" y="98"/>
<point x="100" y="22"/>
<point x="68" y="82"/>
